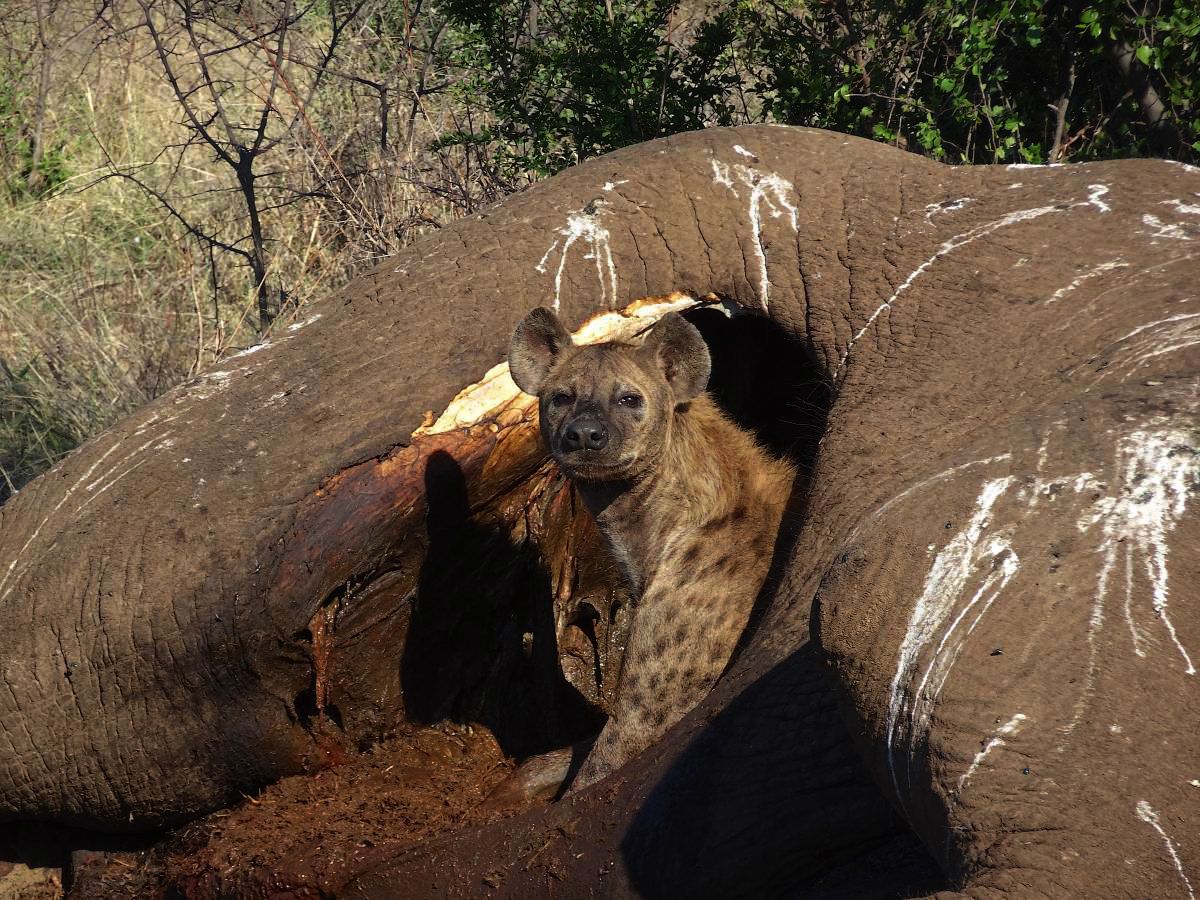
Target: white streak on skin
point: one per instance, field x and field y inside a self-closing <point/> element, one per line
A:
<point x="1161" y="470"/>
<point x="1169" y="348"/>
<point x="1043" y="449"/>
<point x="766" y="189"/>
<point x="1174" y="232"/>
<point x="924" y="483"/>
<point x="1011" y="727"/>
<point x="1185" y="166"/>
<point x="932" y="209"/>
<point x="742" y="151"/>
<point x="1098" y="191"/>
<point x="1186" y="209"/>
<point x="586" y="225"/>
<point x="944" y="584"/>
<point x="1157" y="471"/>
<point x="71" y="490"/>
<point x="612" y="185"/>
<point x="109" y="484"/>
<point x="296" y="326"/>
<point x="1147" y="814"/>
<point x="541" y="266"/>
<point x="1032" y="492"/>
<point x="947" y="246"/>
<point x="250" y="350"/>
<point x="1080" y="279"/>
<point x="1134" y="632"/>
<point x="1014" y="166"/>
<point x="1157" y="267"/>
<point x="1156" y="323"/>
<point x="142" y="449"/>
<point x="722" y="176"/>
<point x="1182" y="332"/>
<point x="1005" y="565"/>
<point x="961" y="240"/>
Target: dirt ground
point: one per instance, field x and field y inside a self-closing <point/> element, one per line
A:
<point x="301" y="837"/>
<point x="306" y="836"/>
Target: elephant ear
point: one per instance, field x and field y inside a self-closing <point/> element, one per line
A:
<point x="680" y="352"/>
<point x="536" y="344"/>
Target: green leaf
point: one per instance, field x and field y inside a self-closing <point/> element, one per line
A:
<point x="1144" y="53"/>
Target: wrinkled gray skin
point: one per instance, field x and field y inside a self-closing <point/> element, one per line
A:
<point x="1001" y="553"/>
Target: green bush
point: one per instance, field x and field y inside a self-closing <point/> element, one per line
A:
<point x="567" y="81"/>
<point x="978" y="82"/>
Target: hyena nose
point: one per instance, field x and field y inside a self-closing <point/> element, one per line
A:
<point x="585" y="434"/>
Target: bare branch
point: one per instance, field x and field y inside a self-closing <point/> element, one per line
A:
<point x="180" y="95"/>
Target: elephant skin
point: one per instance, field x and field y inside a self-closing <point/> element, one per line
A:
<point x="993" y="607"/>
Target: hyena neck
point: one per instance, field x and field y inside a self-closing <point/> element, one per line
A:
<point x="694" y="483"/>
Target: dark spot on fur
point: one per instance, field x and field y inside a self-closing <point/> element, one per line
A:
<point x="739" y="514"/>
<point x="659" y="717"/>
<point x="681" y="633"/>
<point x="691" y="554"/>
<point x="715" y="524"/>
<point x="660" y="646"/>
<point x="716" y="653"/>
<point x="655" y="681"/>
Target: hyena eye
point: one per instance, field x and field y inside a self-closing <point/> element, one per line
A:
<point x="630" y="401"/>
<point x="560" y="399"/>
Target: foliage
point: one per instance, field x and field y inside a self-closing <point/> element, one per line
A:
<point x="986" y="81"/>
<point x="567" y="81"/>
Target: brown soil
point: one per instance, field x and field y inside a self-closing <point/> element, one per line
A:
<point x="306" y="835"/>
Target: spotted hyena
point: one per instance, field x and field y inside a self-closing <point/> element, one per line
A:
<point x="688" y="503"/>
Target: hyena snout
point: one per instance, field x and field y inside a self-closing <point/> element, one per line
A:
<point x="584" y="433"/>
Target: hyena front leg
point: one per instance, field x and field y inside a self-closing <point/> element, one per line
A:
<point x="680" y="643"/>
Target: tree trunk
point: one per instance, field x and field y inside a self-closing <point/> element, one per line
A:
<point x="258" y="245"/>
<point x="1164" y="133"/>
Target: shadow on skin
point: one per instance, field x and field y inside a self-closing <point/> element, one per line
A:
<point x="770" y="796"/>
<point x="467" y="657"/>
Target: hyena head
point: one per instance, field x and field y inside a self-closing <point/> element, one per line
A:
<point x="606" y="409"/>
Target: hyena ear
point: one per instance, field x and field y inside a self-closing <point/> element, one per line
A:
<point x="535" y="344"/>
<point x="682" y="354"/>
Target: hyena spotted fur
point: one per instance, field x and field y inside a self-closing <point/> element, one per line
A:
<point x="687" y="501"/>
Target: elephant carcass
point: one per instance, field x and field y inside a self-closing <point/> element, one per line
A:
<point x="1001" y="536"/>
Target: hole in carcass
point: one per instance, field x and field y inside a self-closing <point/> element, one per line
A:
<point x="766" y="381"/>
<point x="520" y="619"/>
<point x="483" y="645"/>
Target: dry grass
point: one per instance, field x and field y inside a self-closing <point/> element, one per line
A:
<point x="106" y="301"/>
